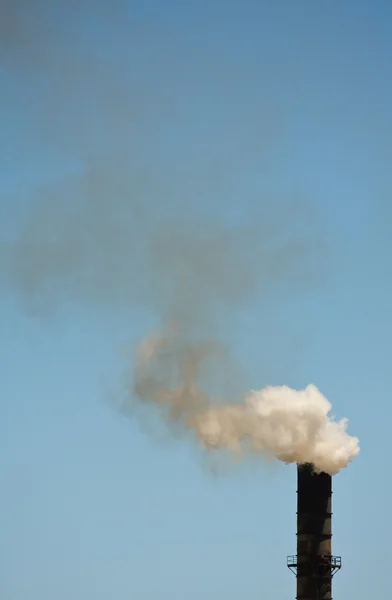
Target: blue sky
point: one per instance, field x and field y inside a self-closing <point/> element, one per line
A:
<point x="269" y="114"/>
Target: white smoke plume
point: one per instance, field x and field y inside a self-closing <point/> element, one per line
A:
<point x="290" y="425"/>
<point x="125" y="216"/>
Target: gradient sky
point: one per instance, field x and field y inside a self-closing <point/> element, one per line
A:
<point x="226" y="107"/>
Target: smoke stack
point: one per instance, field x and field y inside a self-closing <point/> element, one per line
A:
<point x="314" y="565"/>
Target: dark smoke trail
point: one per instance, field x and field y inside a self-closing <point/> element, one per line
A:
<point x="125" y="224"/>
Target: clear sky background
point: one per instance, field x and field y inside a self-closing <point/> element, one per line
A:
<point x="270" y="120"/>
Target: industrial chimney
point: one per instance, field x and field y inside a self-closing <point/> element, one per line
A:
<point x="314" y="565"/>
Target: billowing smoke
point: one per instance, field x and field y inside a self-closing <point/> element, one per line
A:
<point x="290" y="425"/>
<point x="141" y="200"/>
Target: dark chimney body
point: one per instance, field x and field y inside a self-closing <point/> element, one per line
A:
<point x="314" y="564"/>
